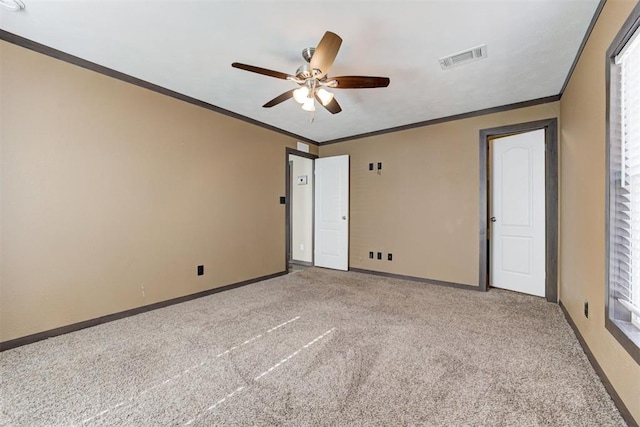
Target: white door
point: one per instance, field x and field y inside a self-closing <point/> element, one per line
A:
<point x="518" y="213"/>
<point x="332" y="212"/>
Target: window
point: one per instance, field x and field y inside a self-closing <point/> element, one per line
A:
<point x="623" y="196"/>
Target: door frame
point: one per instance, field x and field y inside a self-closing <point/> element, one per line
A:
<point x="551" y="199"/>
<point x="288" y="206"/>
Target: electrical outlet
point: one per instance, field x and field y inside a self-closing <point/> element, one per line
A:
<point x="371" y="255"/>
<point x="370" y="166"/>
<point x="200" y="270"/>
<point x="379" y="255"/>
<point x="586" y="309"/>
<point x="389" y="257"/>
<point x="379" y="165"/>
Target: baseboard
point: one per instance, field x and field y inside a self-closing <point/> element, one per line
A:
<point x="303" y="263"/>
<point x="29" y="339"/>
<point x="417" y="279"/>
<point x="626" y="415"/>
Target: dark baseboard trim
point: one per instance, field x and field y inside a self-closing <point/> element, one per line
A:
<point x="30" y="339"/>
<point x="417" y="279"/>
<point x="303" y="263"/>
<point x="626" y="415"/>
<point x="71" y="59"/>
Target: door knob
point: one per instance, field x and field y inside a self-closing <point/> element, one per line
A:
<point x="344" y="217"/>
<point x="493" y="219"/>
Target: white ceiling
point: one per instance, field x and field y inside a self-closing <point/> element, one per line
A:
<point x="188" y="47"/>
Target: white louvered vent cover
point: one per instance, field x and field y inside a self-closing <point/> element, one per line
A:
<point x="463" y="57"/>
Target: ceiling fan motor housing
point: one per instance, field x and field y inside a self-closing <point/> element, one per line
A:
<point x="304" y="71"/>
<point x="307" y="53"/>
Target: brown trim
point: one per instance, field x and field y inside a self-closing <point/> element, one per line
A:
<point x="627" y="30"/>
<point x="551" y="199"/>
<point x="551" y="207"/>
<point x="302" y="263"/>
<point x="626" y="415"/>
<point x="416" y="279"/>
<point x="30" y="339"/>
<point x="483" y="266"/>
<point x="288" y="207"/>
<point x="71" y="59"/>
<point x="288" y="214"/>
<point x="476" y="113"/>
<point x="63" y="56"/>
<point x="585" y="39"/>
<point x="619" y="334"/>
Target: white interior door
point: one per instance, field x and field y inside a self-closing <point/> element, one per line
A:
<point x="518" y="213"/>
<point x="332" y="212"/>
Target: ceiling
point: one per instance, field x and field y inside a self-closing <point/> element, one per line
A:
<point x="188" y="47"/>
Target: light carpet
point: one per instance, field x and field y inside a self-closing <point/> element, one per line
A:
<point x="317" y="347"/>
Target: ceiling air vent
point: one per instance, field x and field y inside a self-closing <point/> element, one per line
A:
<point x="463" y="57"/>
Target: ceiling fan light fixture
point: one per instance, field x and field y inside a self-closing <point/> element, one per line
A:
<point x="325" y="96"/>
<point x="309" y="105"/>
<point x="301" y="94"/>
<point x="312" y="78"/>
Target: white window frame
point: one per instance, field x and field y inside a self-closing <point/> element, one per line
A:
<point x="622" y="300"/>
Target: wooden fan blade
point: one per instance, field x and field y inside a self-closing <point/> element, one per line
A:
<point x="360" y="82"/>
<point x="325" y="53"/>
<point x="333" y="107"/>
<point x="259" y="70"/>
<point x="280" y="98"/>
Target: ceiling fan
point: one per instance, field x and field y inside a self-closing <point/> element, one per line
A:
<point x="313" y="80"/>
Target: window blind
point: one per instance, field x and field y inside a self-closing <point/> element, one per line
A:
<point x="625" y="242"/>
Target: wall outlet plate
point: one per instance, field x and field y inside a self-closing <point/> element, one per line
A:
<point x="586" y="309"/>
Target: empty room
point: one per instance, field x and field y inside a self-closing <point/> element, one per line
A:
<point x="319" y="213"/>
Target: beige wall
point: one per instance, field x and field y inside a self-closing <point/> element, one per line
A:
<point x="108" y="188"/>
<point x="582" y="270"/>
<point x="423" y="207"/>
